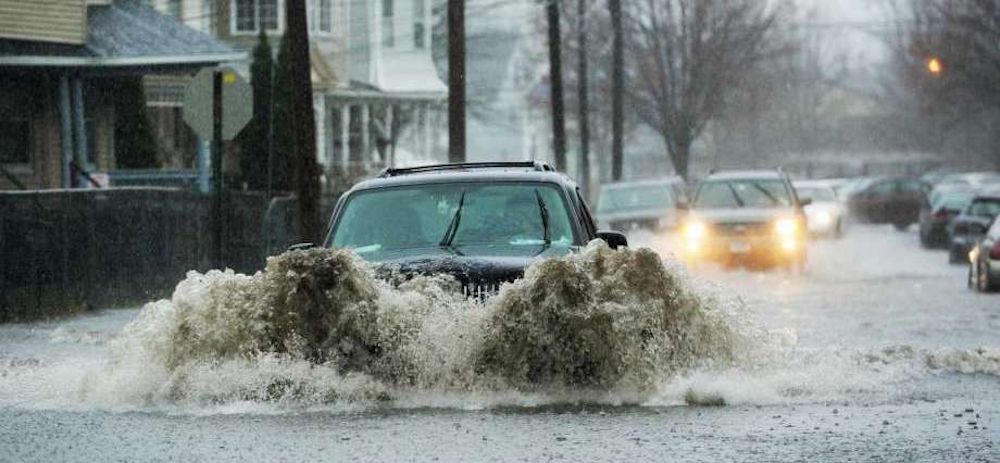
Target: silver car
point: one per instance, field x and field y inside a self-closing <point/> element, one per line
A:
<point x="646" y="204"/>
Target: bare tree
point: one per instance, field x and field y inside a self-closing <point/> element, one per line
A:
<point x="686" y="55"/>
<point x="962" y="88"/>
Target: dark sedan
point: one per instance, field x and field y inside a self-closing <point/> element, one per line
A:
<point x="984" y="261"/>
<point x="940" y="208"/>
<point x="893" y="201"/>
<point x="971" y="225"/>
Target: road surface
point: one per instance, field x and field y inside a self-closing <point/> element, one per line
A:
<point x="878" y="352"/>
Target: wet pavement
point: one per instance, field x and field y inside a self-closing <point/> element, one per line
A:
<point x="879" y="353"/>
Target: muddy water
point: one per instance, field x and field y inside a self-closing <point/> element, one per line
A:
<point x="602" y="356"/>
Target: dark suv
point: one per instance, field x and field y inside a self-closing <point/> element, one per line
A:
<point x="749" y="217"/>
<point x="480" y="222"/>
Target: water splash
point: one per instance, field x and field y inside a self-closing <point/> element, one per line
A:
<point x="318" y="326"/>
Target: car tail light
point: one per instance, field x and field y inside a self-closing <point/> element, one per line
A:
<point x="941" y="216"/>
<point x="995" y="251"/>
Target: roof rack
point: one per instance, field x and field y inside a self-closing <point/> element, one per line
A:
<point x="536" y="166"/>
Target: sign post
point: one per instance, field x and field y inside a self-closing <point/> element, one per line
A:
<point x="218" y="104"/>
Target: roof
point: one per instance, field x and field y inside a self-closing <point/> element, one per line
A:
<point x="409" y="73"/>
<point x="123" y="33"/>
<point x="745" y="175"/>
<point x="490" y="174"/>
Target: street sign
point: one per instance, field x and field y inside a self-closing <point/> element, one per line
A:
<point x="237" y="103"/>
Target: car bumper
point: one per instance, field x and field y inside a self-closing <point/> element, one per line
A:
<point x="746" y="248"/>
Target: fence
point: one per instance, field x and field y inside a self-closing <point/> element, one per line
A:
<point x="67" y="249"/>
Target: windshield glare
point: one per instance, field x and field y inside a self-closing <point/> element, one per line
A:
<point x="743" y="193"/>
<point x="636" y="198"/>
<point x="419" y="217"/>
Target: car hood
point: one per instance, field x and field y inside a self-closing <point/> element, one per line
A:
<point x="471" y="265"/>
<point x="740" y="215"/>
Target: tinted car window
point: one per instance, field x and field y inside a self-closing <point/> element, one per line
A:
<point x="883" y="188"/>
<point x="985" y="207"/>
<point x="419" y="216"/>
<point x="763" y="193"/>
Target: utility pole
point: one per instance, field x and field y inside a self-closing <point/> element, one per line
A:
<point x="556" y="82"/>
<point x="456" y="80"/>
<point x="303" y="122"/>
<point x="584" y="160"/>
<point x="218" y="216"/>
<point x="617" y="91"/>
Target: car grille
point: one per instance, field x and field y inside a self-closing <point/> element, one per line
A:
<point x="742" y="228"/>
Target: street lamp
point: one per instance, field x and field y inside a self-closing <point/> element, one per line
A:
<point x="934" y="66"/>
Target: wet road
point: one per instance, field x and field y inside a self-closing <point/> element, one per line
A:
<point x="881" y="355"/>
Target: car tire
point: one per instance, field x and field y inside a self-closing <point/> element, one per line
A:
<point x="902" y="226"/>
<point x="984" y="284"/>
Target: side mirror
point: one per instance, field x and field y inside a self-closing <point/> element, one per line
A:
<point x="614" y="239"/>
<point x="302" y="246"/>
<point x="805" y="202"/>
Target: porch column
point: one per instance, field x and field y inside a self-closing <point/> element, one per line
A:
<point x="345" y="135"/>
<point x="390" y="149"/>
<point x="79" y="123"/>
<point x="365" y="120"/>
<point x="66" y="131"/>
<point x="319" y="107"/>
<point x="425" y="111"/>
<point x="204" y="166"/>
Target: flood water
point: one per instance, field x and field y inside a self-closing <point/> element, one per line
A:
<point x="877" y="352"/>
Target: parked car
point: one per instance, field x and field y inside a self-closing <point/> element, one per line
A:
<point x="853" y="185"/>
<point x="825" y="215"/>
<point x="984" y="261"/>
<point x="647" y="204"/>
<point x="893" y="201"/>
<point x="483" y="223"/>
<point x="970" y="226"/>
<point x="746" y="217"/>
<point x="941" y="207"/>
<point x="972" y="179"/>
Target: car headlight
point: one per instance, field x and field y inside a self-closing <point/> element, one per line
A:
<point x="824" y="218"/>
<point x="695" y="230"/>
<point x="786" y="227"/>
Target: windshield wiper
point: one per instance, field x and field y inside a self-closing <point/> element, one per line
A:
<point x="547" y="233"/>
<point x="736" y="195"/>
<point x="449" y="234"/>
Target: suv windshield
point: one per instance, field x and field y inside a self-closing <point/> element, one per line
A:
<point x="752" y="193"/>
<point x="453" y="214"/>
<point x="636" y="197"/>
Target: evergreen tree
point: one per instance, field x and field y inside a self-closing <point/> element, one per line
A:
<point x="253" y="141"/>
<point x="135" y="145"/>
<point x="284" y="144"/>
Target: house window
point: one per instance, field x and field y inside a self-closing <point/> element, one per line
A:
<point x="320" y="20"/>
<point x="250" y="16"/>
<point x="15" y="125"/>
<point x="388" y="31"/>
<point x="419" y="26"/>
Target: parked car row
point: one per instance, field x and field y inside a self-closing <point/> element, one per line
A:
<point x="960" y="215"/>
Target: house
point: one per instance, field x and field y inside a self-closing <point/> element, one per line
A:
<point x="61" y="64"/>
<point x="376" y="91"/>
